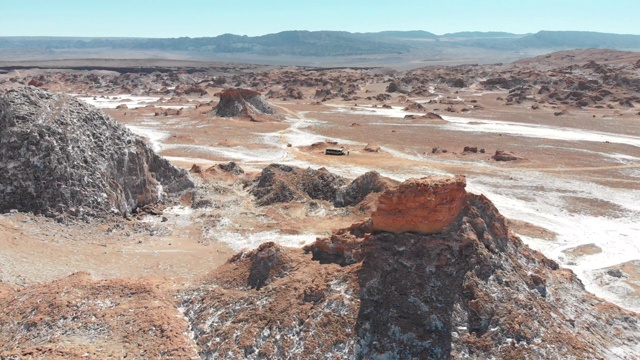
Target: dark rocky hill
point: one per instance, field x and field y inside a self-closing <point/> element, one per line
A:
<point x="279" y="183"/>
<point x="61" y="156"/>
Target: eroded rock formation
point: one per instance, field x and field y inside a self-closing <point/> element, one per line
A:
<point x="242" y="102"/>
<point x="282" y="183"/>
<point x="468" y="290"/>
<point x="424" y="206"/>
<point x="61" y="156"/>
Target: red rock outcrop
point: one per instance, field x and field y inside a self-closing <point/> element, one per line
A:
<point x="424" y="206"/>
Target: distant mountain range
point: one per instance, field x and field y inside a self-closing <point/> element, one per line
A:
<point x="336" y="43"/>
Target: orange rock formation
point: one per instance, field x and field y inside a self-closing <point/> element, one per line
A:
<point x="424" y="206"/>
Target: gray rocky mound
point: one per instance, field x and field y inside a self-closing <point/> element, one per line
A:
<point x="282" y="184"/>
<point x="242" y="102"/>
<point x="61" y="156"/>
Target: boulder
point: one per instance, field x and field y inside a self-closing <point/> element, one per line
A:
<point x="414" y="106"/>
<point x="398" y="87"/>
<point x="372" y="147"/>
<point x="502" y="155"/>
<point x="425" y="206"/>
<point x="266" y="262"/>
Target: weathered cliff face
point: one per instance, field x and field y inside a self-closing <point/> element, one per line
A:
<point x="468" y="290"/>
<point x="242" y="102"/>
<point x="59" y="155"/>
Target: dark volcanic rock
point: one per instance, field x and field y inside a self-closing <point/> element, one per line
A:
<point x="281" y="183"/>
<point x="398" y="87"/>
<point x="230" y="167"/>
<point x="361" y="187"/>
<point x="242" y="102"/>
<point x="59" y="155"/>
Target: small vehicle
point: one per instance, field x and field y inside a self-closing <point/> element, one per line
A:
<point x="334" y="151"/>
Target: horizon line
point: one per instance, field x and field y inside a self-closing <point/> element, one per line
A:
<point x="310" y="31"/>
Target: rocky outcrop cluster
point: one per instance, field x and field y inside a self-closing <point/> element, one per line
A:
<point x="61" y="156"/>
<point x="282" y="184"/>
<point x="471" y="290"/>
<point x="242" y="102"/>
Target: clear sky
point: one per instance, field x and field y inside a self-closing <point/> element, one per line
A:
<point x="196" y="18"/>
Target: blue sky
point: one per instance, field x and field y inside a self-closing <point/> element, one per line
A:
<point x="195" y="18"/>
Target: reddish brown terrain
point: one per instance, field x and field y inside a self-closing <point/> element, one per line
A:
<point x="278" y="250"/>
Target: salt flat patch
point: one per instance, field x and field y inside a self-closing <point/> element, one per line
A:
<point x="617" y="157"/>
<point x="297" y="136"/>
<point x="235" y="153"/>
<point x="536" y="131"/>
<point x="418" y="157"/>
<point x="538" y="199"/>
<point x="153" y="135"/>
<point x="496" y="126"/>
<point x="176" y="107"/>
<point x="193" y="160"/>
<point x="111" y="102"/>
<point x="393" y="112"/>
<point x="244" y="241"/>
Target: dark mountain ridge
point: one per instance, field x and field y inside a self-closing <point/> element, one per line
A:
<point x="336" y="43"/>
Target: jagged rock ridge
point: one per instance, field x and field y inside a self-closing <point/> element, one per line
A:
<point x="59" y="155"/>
<point x="282" y="183"/>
